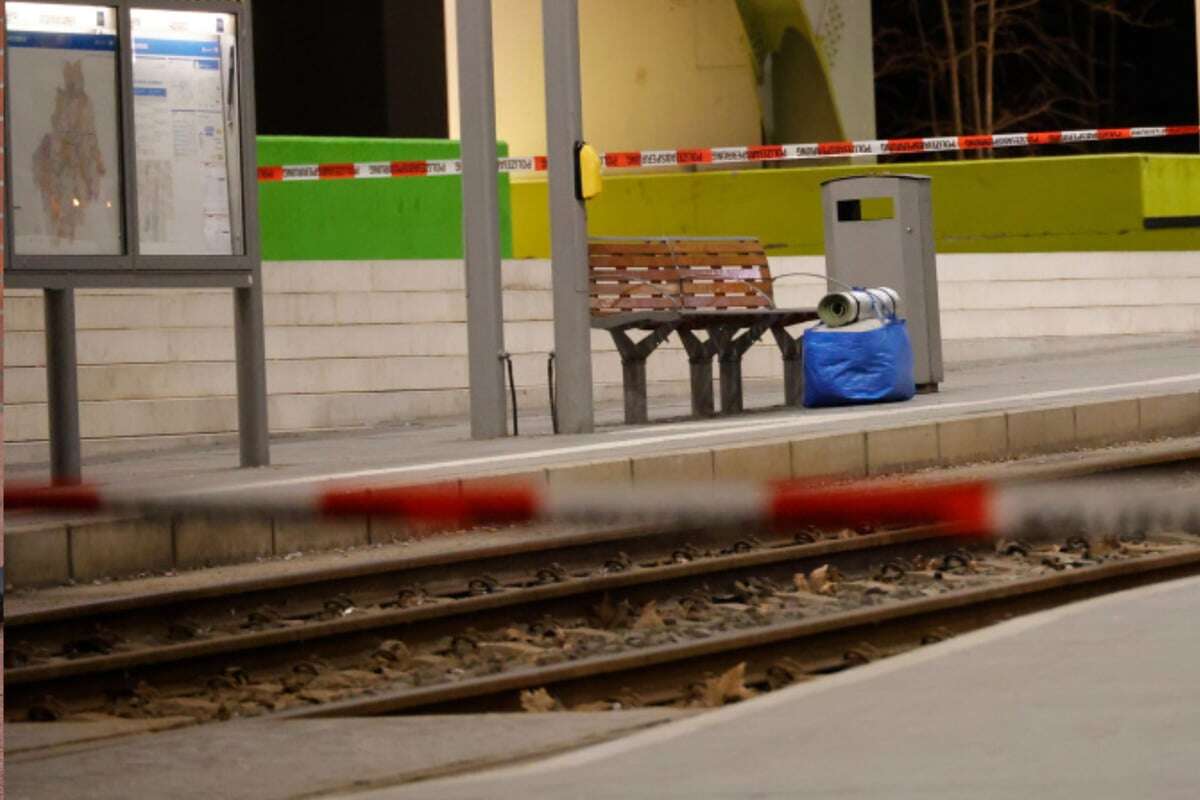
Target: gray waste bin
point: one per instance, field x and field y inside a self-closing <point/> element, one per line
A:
<point x="879" y="232"/>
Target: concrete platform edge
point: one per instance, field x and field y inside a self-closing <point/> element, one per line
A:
<point x="83" y="549"/>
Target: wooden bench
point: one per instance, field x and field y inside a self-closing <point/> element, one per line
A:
<point x="720" y="287"/>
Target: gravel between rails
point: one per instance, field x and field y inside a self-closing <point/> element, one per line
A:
<point x="616" y="628"/>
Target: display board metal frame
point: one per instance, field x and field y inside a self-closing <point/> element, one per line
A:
<point x="60" y="274"/>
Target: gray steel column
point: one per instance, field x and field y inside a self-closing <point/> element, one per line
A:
<point x="568" y="217"/>
<point x="481" y="219"/>
<point x="62" y="386"/>
<point x="251" y="349"/>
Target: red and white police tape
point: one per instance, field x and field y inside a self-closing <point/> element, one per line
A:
<point x="634" y="159"/>
<point x="973" y="508"/>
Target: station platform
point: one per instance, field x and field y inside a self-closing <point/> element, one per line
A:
<point x="1096" y="700"/>
<point x="982" y="413"/>
<point x="439" y="451"/>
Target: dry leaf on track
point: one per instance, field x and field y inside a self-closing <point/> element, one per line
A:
<point x="538" y="701"/>
<point x="822" y="580"/>
<point x="728" y="687"/>
<point x="649" y="617"/>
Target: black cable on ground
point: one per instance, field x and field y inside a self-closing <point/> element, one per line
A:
<point x="553" y="396"/>
<point x="512" y="392"/>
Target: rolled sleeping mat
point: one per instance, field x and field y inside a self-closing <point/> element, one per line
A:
<point x="844" y="308"/>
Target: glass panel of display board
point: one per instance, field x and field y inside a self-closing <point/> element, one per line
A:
<point x="186" y="133"/>
<point x="64" y="113"/>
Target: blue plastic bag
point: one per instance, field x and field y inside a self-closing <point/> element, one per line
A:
<point x="848" y="367"/>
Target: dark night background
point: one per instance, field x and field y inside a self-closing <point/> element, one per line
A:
<point x="350" y="68"/>
<point x="376" y="68"/>
<point x="1151" y="80"/>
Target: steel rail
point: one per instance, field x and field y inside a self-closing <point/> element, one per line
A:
<point x="875" y="544"/>
<point x="477" y="690"/>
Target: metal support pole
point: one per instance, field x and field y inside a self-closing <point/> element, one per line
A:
<point x="481" y="220"/>
<point x="568" y="217"/>
<point x="62" y="386"/>
<point x="251" y="375"/>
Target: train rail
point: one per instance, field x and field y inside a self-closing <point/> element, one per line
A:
<point x="766" y="656"/>
<point x="275" y="627"/>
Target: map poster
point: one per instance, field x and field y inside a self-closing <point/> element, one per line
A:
<point x="186" y="133"/>
<point x="66" y="167"/>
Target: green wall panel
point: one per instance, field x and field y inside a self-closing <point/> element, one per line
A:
<point x="400" y="218"/>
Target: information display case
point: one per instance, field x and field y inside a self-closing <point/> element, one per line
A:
<point x="130" y="151"/>
<point x="131" y="144"/>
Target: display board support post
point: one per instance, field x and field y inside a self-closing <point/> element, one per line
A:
<point x="250" y="344"/>
<point x="481" y="220"/>
<point x="568" y="218"/>
<point x="62" y="386"/>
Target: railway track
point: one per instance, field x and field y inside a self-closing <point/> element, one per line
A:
<point x="273" y="628"/>
<point x="599" y="610"/>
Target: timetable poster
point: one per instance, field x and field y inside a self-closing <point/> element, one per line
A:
<point x="66" y="168"/>
<point x="185" y="118"/>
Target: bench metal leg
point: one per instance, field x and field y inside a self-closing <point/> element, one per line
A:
<point x="731" y="348"/>
<point x="702" y="387"/>
<point x="793" y="381"/>
<point x="633" y="369"/>
<point x="700" y="367"/>
<point x="731" y="385"/>
<point x="792" y="350"/>
<point x="633" y="374"/>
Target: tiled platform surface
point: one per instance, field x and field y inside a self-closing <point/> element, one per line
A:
<point x="266" y="760"/>
<point x="982" y="413"/>
<point x="1095" y="700"/>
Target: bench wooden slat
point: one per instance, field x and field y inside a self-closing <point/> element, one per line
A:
<point x="679" y="246"/>
<point x="736" y="301"/>
<point x="664" y="275"/>
<point x="692" y="289"/>
<point x="643" y="303"/>
<point x="615" y="290"/>
<point x="675" y="275"/>
<point x="601" y="260"/>
<point x="727" y="289"/>
<point x="636" y="304"/>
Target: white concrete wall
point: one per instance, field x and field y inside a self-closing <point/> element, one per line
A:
<point x="361" y="343"/>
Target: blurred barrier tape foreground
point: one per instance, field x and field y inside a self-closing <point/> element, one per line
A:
<point x="635" y="159"/>
<point x="977" y="508"/>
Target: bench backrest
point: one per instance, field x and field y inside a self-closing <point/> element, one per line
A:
<point x="661" y="274"/>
